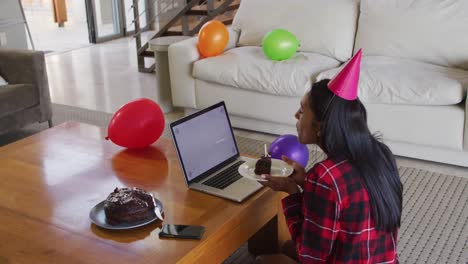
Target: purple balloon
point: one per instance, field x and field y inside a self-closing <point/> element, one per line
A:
<point x="289" y="146"/>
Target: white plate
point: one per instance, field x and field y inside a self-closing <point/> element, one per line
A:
<point x="279" y="168"/>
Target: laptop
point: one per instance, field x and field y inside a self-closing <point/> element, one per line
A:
<point x="209" y="155"/>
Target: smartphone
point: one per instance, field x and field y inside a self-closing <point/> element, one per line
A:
<point x="182" y="231"/>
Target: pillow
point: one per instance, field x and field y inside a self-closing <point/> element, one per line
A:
<point x="326" y="27"/>
<point x="432" y="31"/>
<point x="2" y="81"/>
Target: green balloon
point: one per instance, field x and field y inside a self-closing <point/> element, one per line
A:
<point x="279" y="44"/>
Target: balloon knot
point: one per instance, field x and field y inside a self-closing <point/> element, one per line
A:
<point x="107" y="138"/>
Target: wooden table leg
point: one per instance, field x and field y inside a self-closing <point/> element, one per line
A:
<point x="271" y="238"/>
<point x="265" y="241"/>
<point x="60" y="12"/>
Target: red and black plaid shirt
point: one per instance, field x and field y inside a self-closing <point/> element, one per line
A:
<point x="331" y="221"/>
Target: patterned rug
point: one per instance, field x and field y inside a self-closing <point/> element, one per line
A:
<point x="435" y="206"/>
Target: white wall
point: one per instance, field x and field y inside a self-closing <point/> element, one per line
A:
<point x="10" y="12"/>
<point x="79" y="14"/>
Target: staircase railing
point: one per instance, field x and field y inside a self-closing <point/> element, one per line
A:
<point x="186" y="22"/>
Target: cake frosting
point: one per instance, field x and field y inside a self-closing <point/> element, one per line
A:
<point x="128" y="205"/>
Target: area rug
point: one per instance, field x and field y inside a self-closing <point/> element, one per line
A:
<point x="435" y="213"/>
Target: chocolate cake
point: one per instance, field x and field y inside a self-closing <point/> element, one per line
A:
<point x="127" y="205"/>
<point x="263" y="165"/>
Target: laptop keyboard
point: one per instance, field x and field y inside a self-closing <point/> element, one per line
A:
<point x="225" y="177"/>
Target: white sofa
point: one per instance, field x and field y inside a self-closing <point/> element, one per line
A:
<point x="414" y="72"/>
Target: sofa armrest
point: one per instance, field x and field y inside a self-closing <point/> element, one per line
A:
<point x="25" y="66"/>
<point x="182" y="55"/>
<point x="20" y="66"/>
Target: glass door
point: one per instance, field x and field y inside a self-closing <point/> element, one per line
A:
<point x="129" y="15"/>
<point x="105" y="19"/>
<point x="111" y="19"/>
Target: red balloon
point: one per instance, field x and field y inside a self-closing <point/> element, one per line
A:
<point x="136" y="124"/>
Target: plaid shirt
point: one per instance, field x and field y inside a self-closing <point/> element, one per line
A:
<point x="331" y="221"/>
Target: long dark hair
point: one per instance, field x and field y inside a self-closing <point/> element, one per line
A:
<point x="344" y="132"/>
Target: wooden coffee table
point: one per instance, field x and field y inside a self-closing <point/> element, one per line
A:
<point x="51" y="180"/>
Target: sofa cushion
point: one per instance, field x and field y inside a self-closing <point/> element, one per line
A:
<point x="237" y="101"/>
<point x="326" y="27"/>
<point x="422" y="125"/>
<point x="16" y="97"/>
<point x="247" y="68"/>
<point x="387" y="80"/>
<point x="432" y="31"/>
<point x="436" y="126"/>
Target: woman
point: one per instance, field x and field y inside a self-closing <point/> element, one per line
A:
<point x="350" y="208"/>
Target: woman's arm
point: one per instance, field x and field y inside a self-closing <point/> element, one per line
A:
<point x="312" y="219"/>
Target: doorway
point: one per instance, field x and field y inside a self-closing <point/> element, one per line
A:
<point x="46" y="32"/>
<point x="82" y="23"/>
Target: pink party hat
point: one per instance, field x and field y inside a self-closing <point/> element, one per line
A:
<point x="345" y="83"/>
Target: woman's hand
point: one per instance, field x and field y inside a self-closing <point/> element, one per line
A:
<point x="299" y="172"/>
<point x="282" y="184"/>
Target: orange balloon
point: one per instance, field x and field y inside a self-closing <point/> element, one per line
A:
<point x="212" y="38"/>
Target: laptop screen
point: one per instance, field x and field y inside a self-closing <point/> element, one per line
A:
<point x="204" y="140"/>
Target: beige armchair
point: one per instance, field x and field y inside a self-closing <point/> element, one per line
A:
<point x="25" y="99"/>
